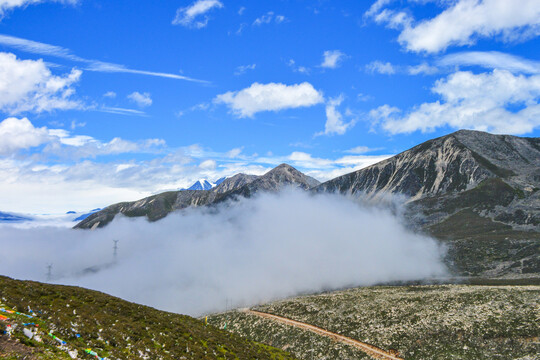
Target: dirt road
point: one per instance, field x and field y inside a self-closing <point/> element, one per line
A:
<point x="371" y="350"/>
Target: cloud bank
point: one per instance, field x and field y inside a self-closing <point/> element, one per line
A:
<point x="260" y="249"/>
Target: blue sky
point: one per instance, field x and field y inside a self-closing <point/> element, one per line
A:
<point x="105" y="101"/>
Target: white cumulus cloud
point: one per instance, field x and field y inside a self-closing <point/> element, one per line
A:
<point x="463" y="22"/>
<point x="332" y="59"/>
<point x="499" y="102"/>
<point x="270" y="97"/>
<point x="17" y="134"/>
<point x="335" y="125"/>
<point x="141" y="99"/>
<point x="194" y="14"/>
<point x="29" y="85"/>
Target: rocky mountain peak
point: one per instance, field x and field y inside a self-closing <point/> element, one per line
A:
<point x="451" y="163"/>
<point x="285" y="174"/>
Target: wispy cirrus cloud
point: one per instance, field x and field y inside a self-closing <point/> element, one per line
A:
<point x="244" y="68"/>
<point x="7" y="5"/>
<point x="268" y="18"/>
<point x="387" y="68"/>
<point x="194" y="15"/>
<point x="44" y="49"/>
<point x="380" y="67"/>
<point x="492" y="60"/>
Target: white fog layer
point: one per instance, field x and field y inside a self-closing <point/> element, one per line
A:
<point x="192" y="262"/>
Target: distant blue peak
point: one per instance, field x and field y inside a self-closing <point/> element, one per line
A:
<point x="71" y="212"/>
<point x="202" y="184"/>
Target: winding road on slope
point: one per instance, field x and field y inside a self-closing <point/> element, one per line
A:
<point x="369" y="349"/>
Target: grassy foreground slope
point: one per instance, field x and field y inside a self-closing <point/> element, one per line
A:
<point x="420" y="322"/>
<point x="111" y="327"/>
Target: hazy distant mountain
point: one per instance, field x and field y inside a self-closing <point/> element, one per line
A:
<point x="7" y="217"/>
<point x="84" y="216"/>
<point x="476" y="191"/>
<point x="158" y="206"/>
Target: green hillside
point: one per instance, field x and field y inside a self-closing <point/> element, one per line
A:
<point x="110" y="327"/>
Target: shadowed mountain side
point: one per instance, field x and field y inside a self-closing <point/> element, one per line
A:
<point x="158" y="206"/>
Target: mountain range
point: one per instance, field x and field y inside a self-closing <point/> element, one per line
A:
<point x="8" y="217"/>
<point x="476" y="192"/>
<point x="158" y="206"/>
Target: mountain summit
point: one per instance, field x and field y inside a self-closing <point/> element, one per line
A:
<point x="452" y="163"/>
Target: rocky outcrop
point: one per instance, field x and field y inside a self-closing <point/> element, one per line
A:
<point x="234" y="182"/>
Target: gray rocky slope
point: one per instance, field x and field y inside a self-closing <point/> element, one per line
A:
<point x="158" y="206"/>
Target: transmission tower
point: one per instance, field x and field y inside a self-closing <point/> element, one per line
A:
<point x="115" y="248"/>
<point x="49" y="272"/>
